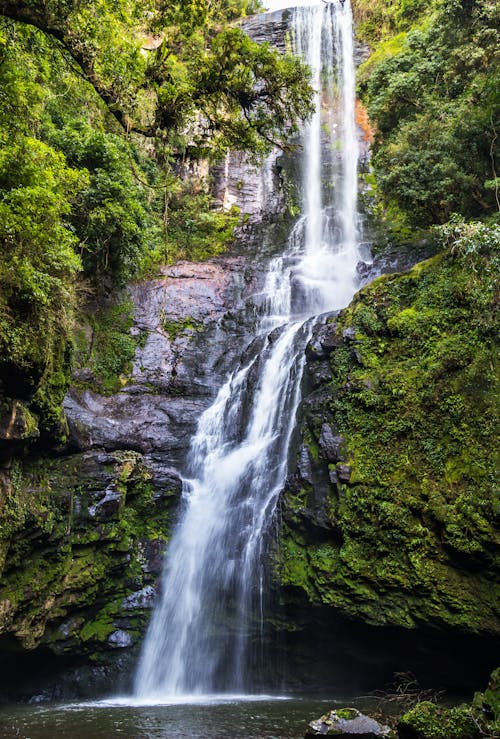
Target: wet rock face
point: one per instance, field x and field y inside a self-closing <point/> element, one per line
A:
<point x="81" y="566"/>
<point x="187" y="316"/>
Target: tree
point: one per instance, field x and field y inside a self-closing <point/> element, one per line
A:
<point x="436" y="105"/>
<point x="165" y="93"/>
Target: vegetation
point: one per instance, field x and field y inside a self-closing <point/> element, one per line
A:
<point x="410" y="508"/>
<point x="431" y="87"/>
<point x="75" y="552"/>
<point x="104" y="109"/>
<point x="481" y="719"/>
<point x="405" y="535"/>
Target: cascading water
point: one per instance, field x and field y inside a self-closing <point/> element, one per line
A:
<point x="212" y="589"/>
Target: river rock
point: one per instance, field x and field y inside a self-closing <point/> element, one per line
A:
<point x="348" y="722"/>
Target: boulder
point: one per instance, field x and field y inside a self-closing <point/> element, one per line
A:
<point x="348" y="722"/>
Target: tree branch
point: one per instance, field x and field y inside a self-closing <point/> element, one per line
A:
<point x="37" y="16"/>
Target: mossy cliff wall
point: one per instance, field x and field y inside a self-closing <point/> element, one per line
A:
<point x="389" y="518"/>
<point x="80" y="553"/>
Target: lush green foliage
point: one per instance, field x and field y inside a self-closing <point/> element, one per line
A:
<point x="201" y="66"/>
<point x="481" y="719"/>
<point x="433" y="92"/>
<point x="113" y="219"/>
<point x="86" y="202"/>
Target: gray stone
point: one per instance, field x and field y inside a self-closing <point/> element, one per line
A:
<point x="188" y="349"/>
<point x="333" y="447"/>
<point x="304" y="464"/>
<point x="141" y="599"/>
<point x="120" y="639"/>
<point x="349" y="334"/>
<point x="151" y="555"/>
<point x="324" y="340"/>
<point x="349" y="723"/>
<point x="343" y="472"/>
<point x="108" y="508"/>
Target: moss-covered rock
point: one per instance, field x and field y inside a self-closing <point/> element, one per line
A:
<point x="486" y="706"/>
<point x="429" y="721"/>
<point x="348" y="722"/>
<point x="407" y="534"/>
<point x="81" y="539"/>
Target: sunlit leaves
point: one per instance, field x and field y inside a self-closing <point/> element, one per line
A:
<point x="435" y="102"/>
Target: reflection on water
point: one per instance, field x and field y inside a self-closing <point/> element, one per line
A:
<point x="231" y="719"/>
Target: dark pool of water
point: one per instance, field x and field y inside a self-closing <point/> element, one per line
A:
<point x="228" y="719"/>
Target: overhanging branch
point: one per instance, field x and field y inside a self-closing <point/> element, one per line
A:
<point x="36" y="16"/>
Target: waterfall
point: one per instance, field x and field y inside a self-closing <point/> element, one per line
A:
<point x="204" y="628"/>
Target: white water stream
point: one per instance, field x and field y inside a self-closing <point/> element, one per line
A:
<point x="204" y="628"/>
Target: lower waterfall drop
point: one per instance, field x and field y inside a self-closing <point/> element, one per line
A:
<point x="199" y="639"/>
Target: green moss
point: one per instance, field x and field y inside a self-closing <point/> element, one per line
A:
<point x="99" y="629"/>
<point x="108" y="347"/>
<point x="412" y="535"/>
<point x="185" y="326"/>
<point x="429" y="721"/>
<point x="348" y="714"/>
<point x="384" y="51"/>
<point x="63" y="566"/>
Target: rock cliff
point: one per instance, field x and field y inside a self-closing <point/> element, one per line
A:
<point x="389" y="516"/>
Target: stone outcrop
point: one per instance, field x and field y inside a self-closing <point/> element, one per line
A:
<point x="186" y="318"/>
<point x="348" y="722"/>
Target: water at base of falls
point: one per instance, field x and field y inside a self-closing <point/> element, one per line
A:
<point x="204" y="634"/>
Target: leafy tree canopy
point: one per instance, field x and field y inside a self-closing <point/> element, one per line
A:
<point x="200" y="66"/>
<point x="89" y="182"/>
<point x="433" y="92"/>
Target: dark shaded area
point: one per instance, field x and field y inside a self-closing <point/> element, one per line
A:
<point x="40" y="676"/>
<point x="325" y="656"/>
<point x="329" y="654"/>
<point x="25" y="673"/>
<point x="16" y="381"/>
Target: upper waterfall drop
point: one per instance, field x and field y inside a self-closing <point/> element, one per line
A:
<point x="212" y="593"/>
